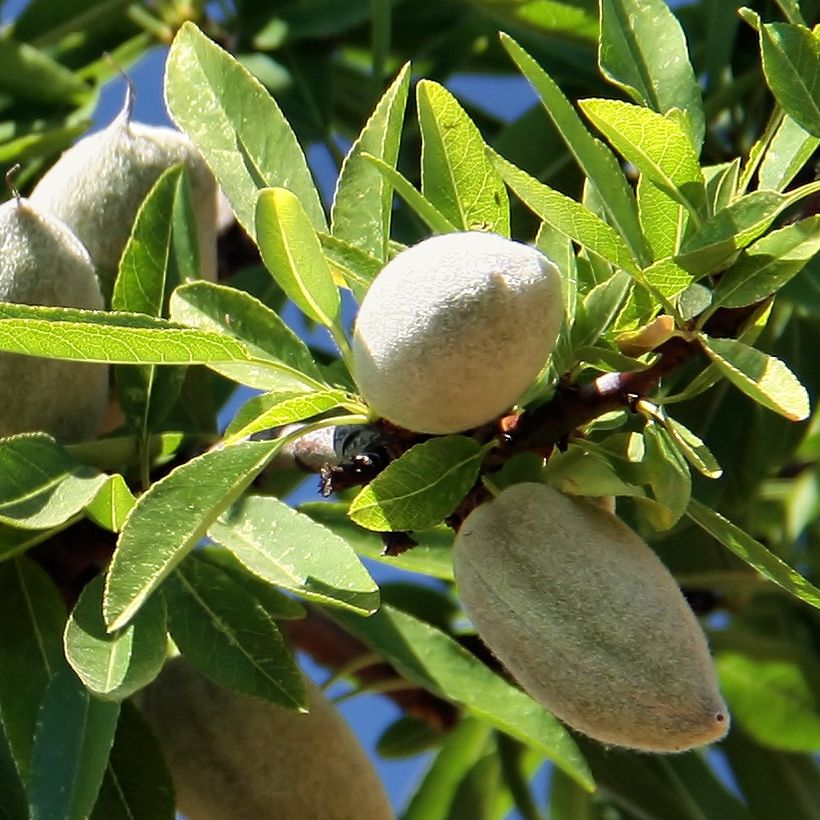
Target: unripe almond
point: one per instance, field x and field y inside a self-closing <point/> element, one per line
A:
<point x="235" y="757"/>
<point x="97" y="186"/>
<point x="454" y="329"/>
<point x="588" y="620"/>
<point x="43" y="263"/>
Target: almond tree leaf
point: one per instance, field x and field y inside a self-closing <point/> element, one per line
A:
<point x="137" y="784"/>
<point x="283" y="360"/>
<point x="422" y="487"/>
<point x="774" y="698"/>
<point x="764" y="378"/>
<point x="292" y="551"/>
<point x="363" y="202"/>
<point x="791" y="63"/>
<point x="228" y="635"/>
<point x="31" y="74"/>
<point x="114" y="665"/>
<point x="350" y="265"/>
<point x="456" y="174"/>
<point x="41" y="486"/>
<point x="656" y="144"/>
<point x="112" y="503"/>
<point x="430" y="658"/>
<point x="171" y="517"/>
<point x="568" y="217"/>
<point x="293" y="254"/>
<point x="115" y="338"/>
<point x="594" y="158"/>
<point x="236" y="125"/>
<point x="663" y="219"/>
<point x="424" y="209"/>
<point x="693" y="448"/>
<point x="753" y="553"/>
<point x="764" y="267"/>
<point x="32" y="616"/>
<point x="72" y="742"/>
<point x="642" y="49"/>
<point x="790" y="149"/>
<point x="721" y="184"/>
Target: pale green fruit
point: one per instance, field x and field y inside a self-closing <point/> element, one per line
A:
<point x="588" y="620"/>
<point x="453" y="330"/>
<point x="234" y="757"/>
<point x="43" y="263"/>
<point x="97" y="186"/>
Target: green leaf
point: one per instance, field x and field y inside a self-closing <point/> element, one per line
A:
<point x="32" y="615"/>
<point x="431" y="556"/>
<point x="111" y="504"/>
<point x="424" y="209"/>
<point x="157" y="257"/>
<point x="567" y="216"/>
<point x="350" y="265"/>
<point x="600" y="306"/>
<point x="13" y="803"/>
<point x="281" y="359"/>
<point x="667" y="278"/>
<point x="791" y="63"/>
<point x="716" y="242"/>
<point x="235" y="123"/>
<point x="668" y="478"/>
<point x="72" y="742"/>
<point x="137" y="784"/>
<point x="773" y="698"/>
<point x="228" y="635"/>
<point x="721" y="184"/>
<point x="407" y="736"/>
<point x="789" y="151"/>
<point x="655" y="144"/>
<point x="422" y="487"/>
<point x="432" y="659"/>
<point x="595" y="159"/>
<point x="693" y="448"/>
<point x="363" y="203"/>
<point x="754" y="553"/>
<point x="643" y="50"/>
<point x="293" y="254"/>
<point x="272" y="410"/>
<point x="663" y="220"/>
<point x="764" y="267"/>
<point x="115" y="338"/>
<point x="456" y="174"/>
<point x="171" y="517"/>
<point x="114" y="665"/>
<point x="290" y="550"/>
<point x="30" y="74"/>
<point x="41" y="486"/>
<point x="764" y="378"/>
<point x="437" y="795"/>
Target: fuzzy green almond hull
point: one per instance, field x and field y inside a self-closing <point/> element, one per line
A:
<point x="454" y="329"/>
<point x="97" y="186"/>
<point x="43" y="263"/>
<point x="588" y="620"/>
<point x="235" y="757"/>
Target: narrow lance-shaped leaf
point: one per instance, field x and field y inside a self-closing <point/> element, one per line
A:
<point x="292" y="551"/>
<point x="170" y="519"/>
<point x="422" y="487"/>
<point x="596" y="161"/>
<point x="223" y="631"/>
<point x="764" y="378"/>
<point x="282" y="360"/>
<point x="643" y="50"/>
<point x="74" y="736"/>
<point x="457" y="176"/>
<point x="363" y="202"/>
<point x="656" y="145"/>
<point x="663" y="219"/>
<point x="790" y="149"/>
<point x="791" y="63"/>
<point x="236" y="124"/>
<point x="293" y="254"/>
<point x="754" y="553"/>
<point x="31" y="625"/>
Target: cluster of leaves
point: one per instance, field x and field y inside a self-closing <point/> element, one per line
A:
<point x="683" y="233"/>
